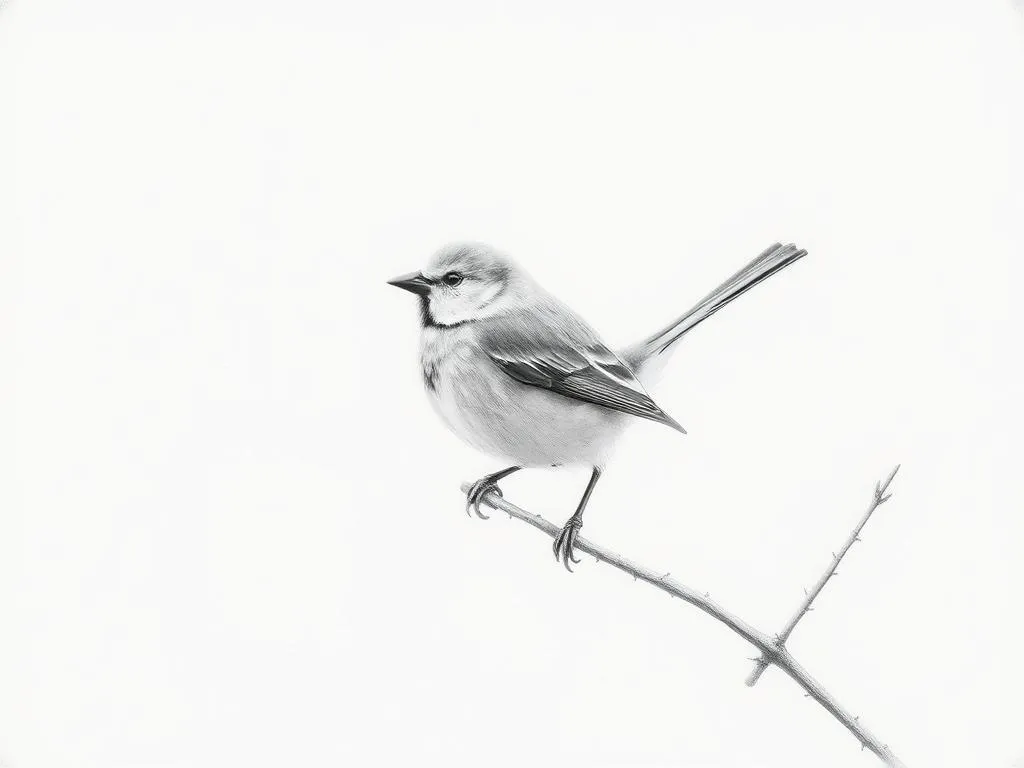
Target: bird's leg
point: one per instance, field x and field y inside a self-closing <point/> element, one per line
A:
<point x="482" y="486"/>
<point x="566" y="540"/>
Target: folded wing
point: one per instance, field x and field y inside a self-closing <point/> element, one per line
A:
<point x="556" y="351"/>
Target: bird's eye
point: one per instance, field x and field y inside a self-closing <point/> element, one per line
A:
<point x="452" y="279"/>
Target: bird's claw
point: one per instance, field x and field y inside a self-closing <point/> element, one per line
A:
<point x="476" y="494"/>
<point x="565" y="542"/>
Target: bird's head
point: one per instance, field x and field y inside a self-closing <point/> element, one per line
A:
<point x="463" y="282"/>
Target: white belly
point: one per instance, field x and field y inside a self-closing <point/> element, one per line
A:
<point x="525" y="425"/>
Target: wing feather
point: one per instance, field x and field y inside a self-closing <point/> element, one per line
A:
<point x="555" y="350"/>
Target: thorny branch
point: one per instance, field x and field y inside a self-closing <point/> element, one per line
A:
<point x="772" y="647"/>
<point x="880" y="498"/>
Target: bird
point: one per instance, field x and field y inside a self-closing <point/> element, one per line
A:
<point x="518" y="375"/>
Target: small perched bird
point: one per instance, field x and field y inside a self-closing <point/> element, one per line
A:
<point x="517" y="374"/>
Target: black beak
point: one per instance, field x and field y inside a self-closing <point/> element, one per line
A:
<point x="414" y="282"/>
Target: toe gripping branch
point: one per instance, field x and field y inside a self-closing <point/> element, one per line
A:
<point x="565" y="542"/>
<point x="475" y="494"/>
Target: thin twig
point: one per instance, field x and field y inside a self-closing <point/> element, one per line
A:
<point x="877" y="500"/>
<point x="769" y="646"/>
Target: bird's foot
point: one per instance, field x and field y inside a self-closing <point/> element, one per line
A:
<point x="565" y="542"/>
<point x="476" y="494"/>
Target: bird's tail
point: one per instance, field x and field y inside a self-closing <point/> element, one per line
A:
<point x="773" y="259"/>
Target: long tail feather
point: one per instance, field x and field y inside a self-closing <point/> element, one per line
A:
<point x="773" y="259"/>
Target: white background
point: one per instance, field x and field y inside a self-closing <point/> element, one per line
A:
<point x="230" y="526"/>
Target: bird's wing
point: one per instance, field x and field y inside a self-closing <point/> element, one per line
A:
<point x="549" y="347"/>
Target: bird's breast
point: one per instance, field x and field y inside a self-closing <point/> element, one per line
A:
<point x="445" y="358"/>
<point x="464" y="387"/>
<point x="442" y="349"/>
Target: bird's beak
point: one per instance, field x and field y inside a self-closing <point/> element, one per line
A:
<point x="414" y="282"/>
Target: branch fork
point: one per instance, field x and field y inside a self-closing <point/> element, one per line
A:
<point x="805" y="607"/>
<point x="772" y="648"/>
